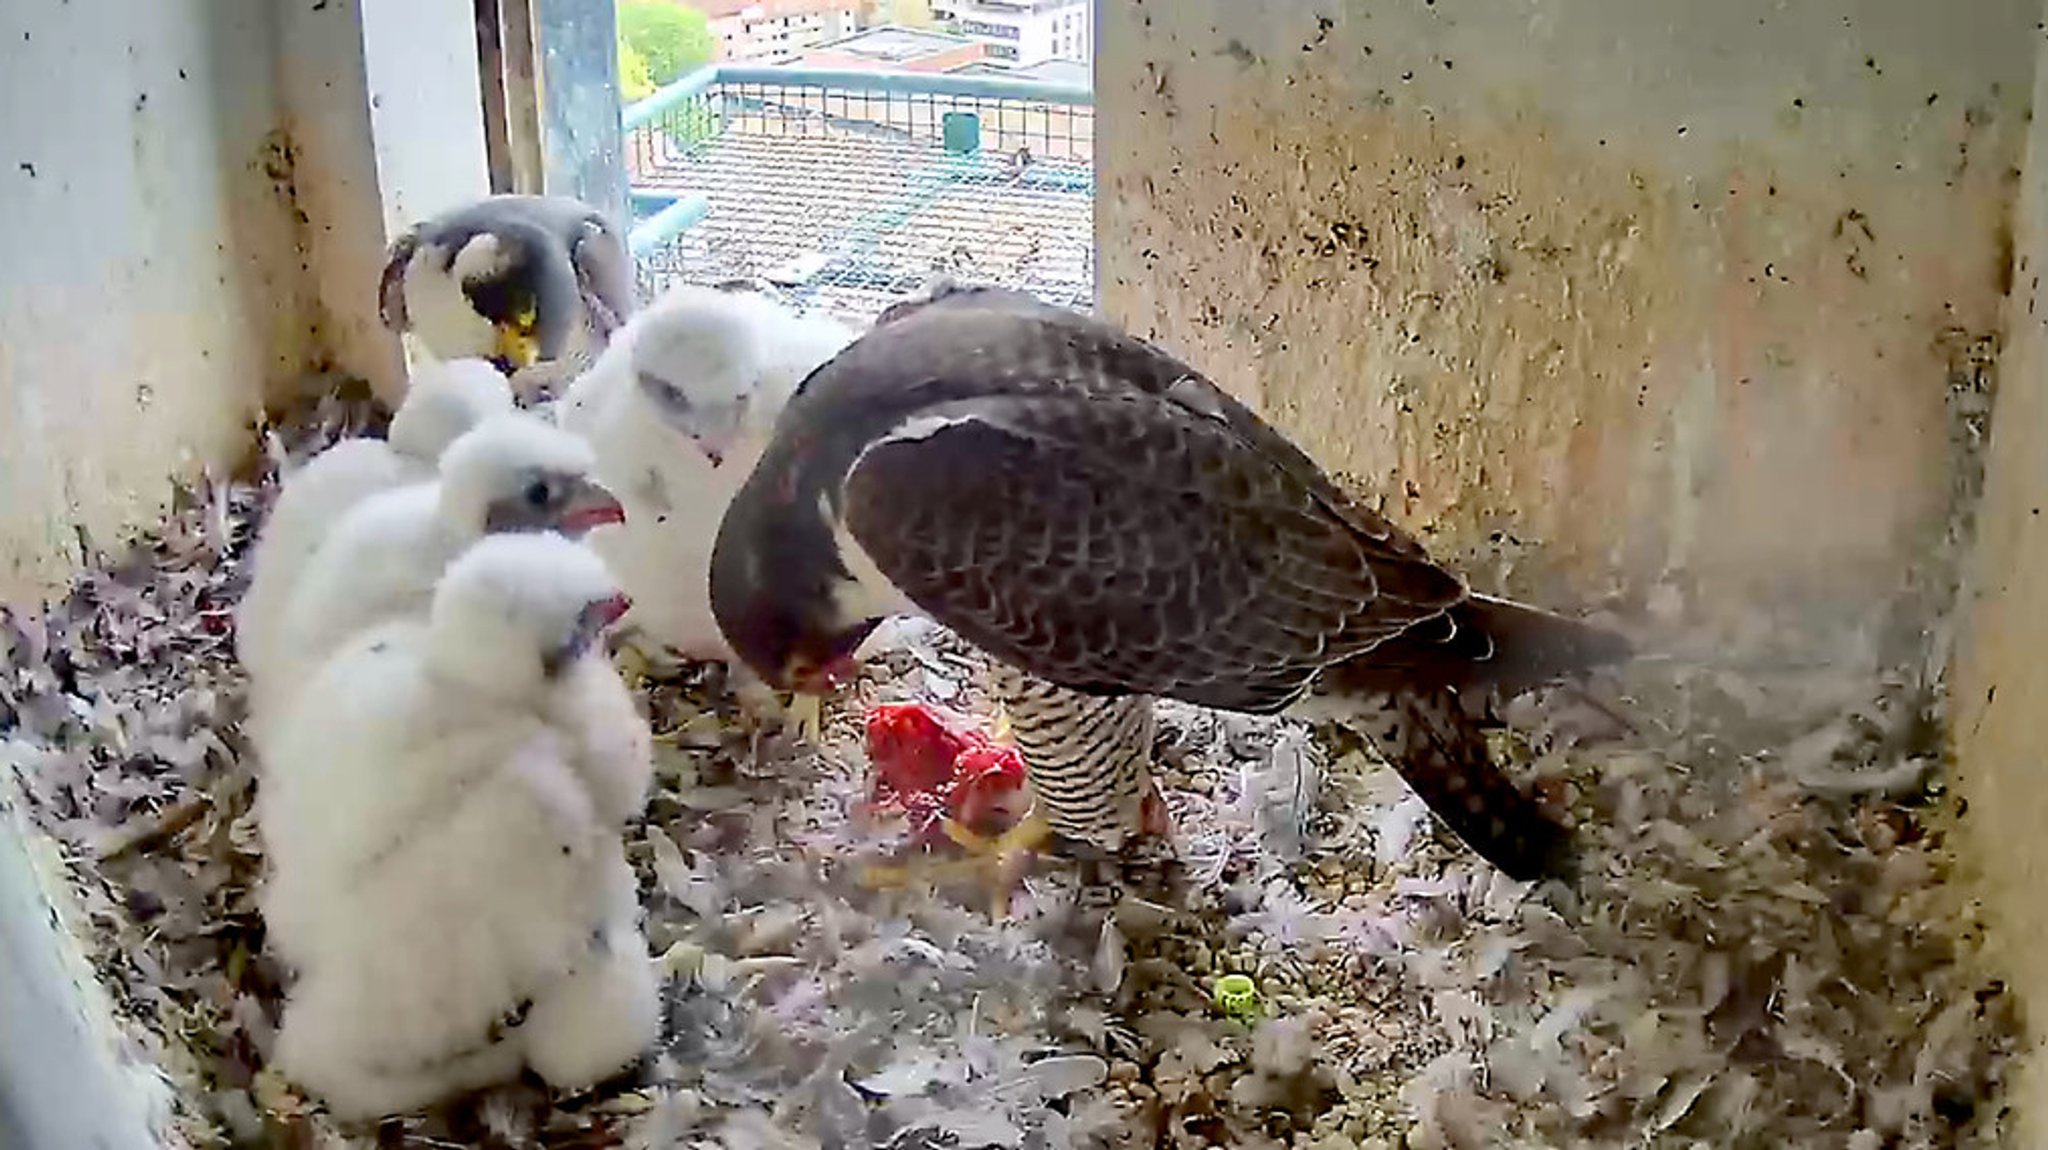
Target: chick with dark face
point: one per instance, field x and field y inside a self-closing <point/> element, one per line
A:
<point x="517" y="280"/>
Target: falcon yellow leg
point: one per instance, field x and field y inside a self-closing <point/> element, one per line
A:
<point x="888" y="876"/>
<point x="1030" y="833"/>
<point x="996" y="858"/>
<point x="895" y="876"/>
<point x="805" y="714"/>
<point x="999" y="729"/>
<point x="990" y="862"/>
<point x="760" y="706"/>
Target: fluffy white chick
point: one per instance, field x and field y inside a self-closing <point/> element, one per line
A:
<point x="599" y="730"/>
<point x="443" y="873"/>
<point x="509" y="473"/>
<point x="443" y="401"/>
<point x="591" y="1023"/>
<point x="678" y="408"/>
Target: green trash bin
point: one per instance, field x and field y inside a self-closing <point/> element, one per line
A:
<point x="962" y="132"/>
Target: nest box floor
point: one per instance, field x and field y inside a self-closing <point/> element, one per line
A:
<point x="1762" y="951"/>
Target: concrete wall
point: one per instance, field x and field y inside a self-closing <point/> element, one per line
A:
<point x="152" y="297"/>
<point x="68" y="1078"/>
<point x="150" y="294"/>
<point x="385" y="106"/>
<point x="1703" y="304"/>
<point x="1644" y="296"/>
<point x="2000" y="695"/>
<point x="194" y="201"/>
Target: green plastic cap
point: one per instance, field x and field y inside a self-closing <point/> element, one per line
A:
<point x="1237" y="995"/>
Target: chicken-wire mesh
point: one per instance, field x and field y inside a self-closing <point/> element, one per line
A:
<point x="850" y="189"/>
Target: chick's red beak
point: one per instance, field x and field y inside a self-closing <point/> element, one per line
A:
<point x="610" y="611"/>
<point x="600" y="615"/>
<point x="591" y="507"/>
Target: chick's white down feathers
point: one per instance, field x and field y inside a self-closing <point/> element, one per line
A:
<point x="381" y="560"/>
<point x="443" y="401"/>
<point x="446" y="848"/>
<point x="678" y="408"/>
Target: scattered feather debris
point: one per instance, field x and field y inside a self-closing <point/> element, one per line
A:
<point x="1761" y="950"/>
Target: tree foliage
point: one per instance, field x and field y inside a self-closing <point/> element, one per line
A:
<point x="909" y="13"/>
<point x="636" y="82"/>
<point x="670" y="39"/>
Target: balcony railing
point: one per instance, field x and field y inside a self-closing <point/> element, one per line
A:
<point x="849" y="188"/>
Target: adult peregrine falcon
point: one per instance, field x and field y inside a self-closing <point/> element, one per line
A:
<point x="1093" y="512"/>
<point x="517" y="280"/>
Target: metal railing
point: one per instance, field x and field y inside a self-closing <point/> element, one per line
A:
<point x="851" y="182"/>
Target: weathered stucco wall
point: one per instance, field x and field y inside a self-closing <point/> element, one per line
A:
<point x="151" y="298"/>
<point x="1682" y="301"/>
<point x="2000" y="697"/>
<point x="385" y="107"/>
<point x="1701" y="305"/>
<point x="151" y="290"/>
<point x="197" y="195"/>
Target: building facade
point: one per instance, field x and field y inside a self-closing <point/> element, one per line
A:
<point x="891" y="49"/>
<point x="1024" y="32"/>
<point x="772" y="31"/>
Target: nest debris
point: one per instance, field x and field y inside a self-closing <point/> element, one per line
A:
<point x="1762" y="951"/>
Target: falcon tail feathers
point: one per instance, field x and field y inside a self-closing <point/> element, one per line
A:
<point x="1441" y="754"/>
<point x="1492" y="645"/>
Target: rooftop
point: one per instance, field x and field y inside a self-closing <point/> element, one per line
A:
<point x="891" y="48"/>
<point x="769" y="9"/>
<point x="1011" y="6"/>
<point x="1050" y="71"/>
<point x="896" y="44"/>
<point x="852" y="198"/>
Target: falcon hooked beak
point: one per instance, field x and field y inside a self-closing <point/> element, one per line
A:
<point x="813" y="671"/>
<point x="717" y="444"/>
<point x="806" y="677"/>
<point x="809" y="685"/>
<point x="516" y="341"/>
<point x="587" y="632"/>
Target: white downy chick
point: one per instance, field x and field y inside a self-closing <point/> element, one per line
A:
<point x="678" y="408"/>
<point x="443" y="401"/>
<point x="478" y="627"/>
<point x="446" y="399"/>
<point x="440" y="863"/>
<point x="591" y="1023"/>
<point x="510" y="473"/>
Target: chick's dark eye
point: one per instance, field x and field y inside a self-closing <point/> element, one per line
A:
<point x="539" y="494"/>
<point x="664" y="392"/>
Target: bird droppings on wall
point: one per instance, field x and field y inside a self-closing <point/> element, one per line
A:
<point x="1762" y="950"/>
<point x="151" y="253"/>
<point x="1681" y="347"/>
